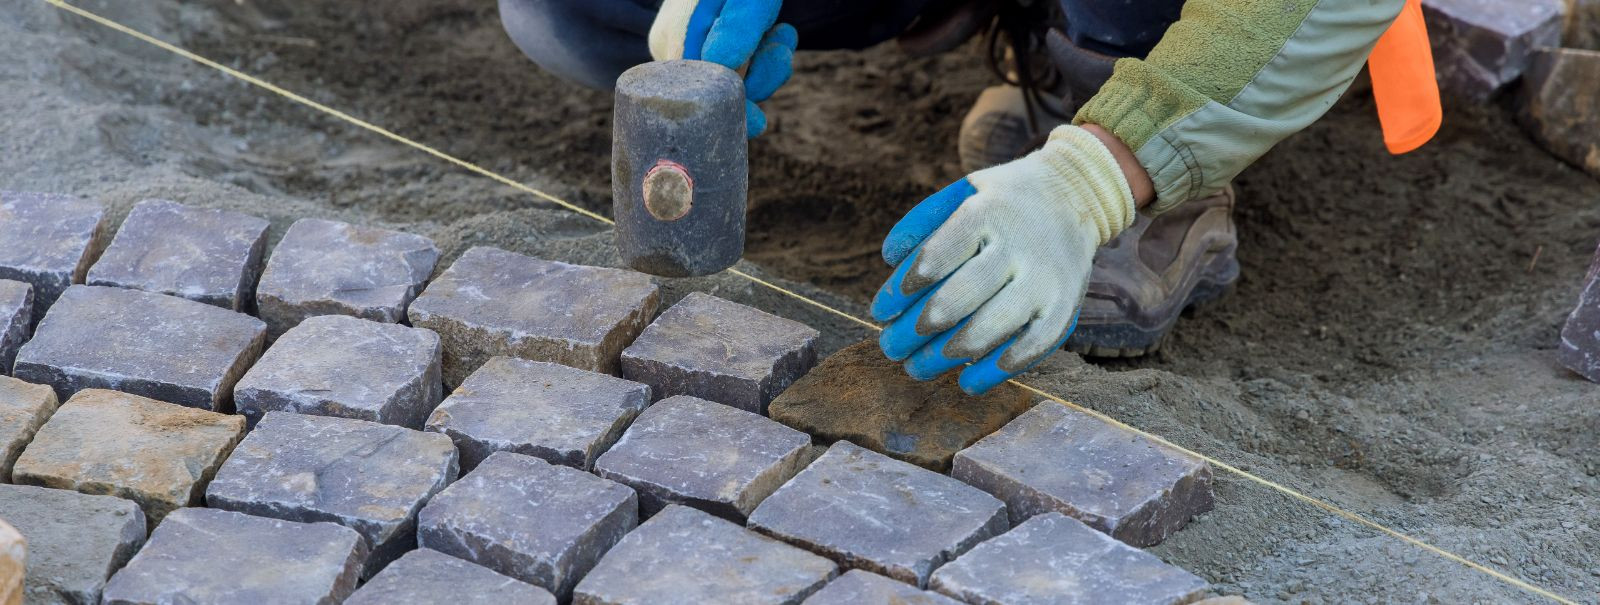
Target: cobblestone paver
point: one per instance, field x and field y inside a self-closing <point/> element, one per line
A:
<point x="337" y="365"/>
<point x="857" y="587"/>
<point x="24" y="407"/>
<point x="1480" y="46"/>
<point x="685" y="450"/>
<point x="155" y="345"/>
<point x="1055" y="559"/>
<point x="721" y="351"/>
<point x="158" y="454"/>
<point x="202" y="254"/>
<point x="13" y="564"/>
<point x="16" y="320"/>
<point x="202" y="555"/>
<point x="558" y="413"/>
<point x="48" y="240"/>
<point x="869" y="511"/>
<point x="689" y="557"/>
<point x="541" y="523"/>
<point x="367" y="476"/>
<point x="492" y="302"/>
<point x="1053" y="458"/>
<point x="330" y="268"/>
<point x="428" y="577"/>
<point x="75" y="541"/>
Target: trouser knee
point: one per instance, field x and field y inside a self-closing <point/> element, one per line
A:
<point x="589" y="42"/>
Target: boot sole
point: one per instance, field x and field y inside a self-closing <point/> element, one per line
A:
<point x="1127" y="339"/>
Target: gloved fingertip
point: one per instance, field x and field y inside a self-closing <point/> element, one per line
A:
<point x="891" y="300"/>
<point x="769" y="70"/>
<point x="900" y="339"/>
<point x="785" y="34"/>
<point x="930" y="362"/>
<point x="755" y="120"/>
<point x="985" y="374"/>
<point x="922" y="220"/>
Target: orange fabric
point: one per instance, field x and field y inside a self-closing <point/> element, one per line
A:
<point x="1401" y="66"/>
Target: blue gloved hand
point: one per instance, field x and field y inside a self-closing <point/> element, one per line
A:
<point x="737" y="34"/>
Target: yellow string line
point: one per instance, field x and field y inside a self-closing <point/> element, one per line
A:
<point x="61" y="4"/>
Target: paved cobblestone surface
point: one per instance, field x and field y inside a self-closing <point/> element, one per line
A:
<point x="75" y="541"/>
<point x="492" y="302"/>
<point x="202" y="555"/>
<point x="721" y="351"/>
<point x="157" y="454"/>
<point x="1055" y="559"/>
<point x="367" y="476"/>
<point x="202" y="254"/>
<point x="16" y="320"/>
<point x="1053" y="458"/>
<point x="330" y="268"/>
<point x="24" y="407"/>
<point x="560" y="414"/>
<point x="428" y="577"/>
<point x="159" y="346"/>
<point x="685" y="450"/>
<point x="337" y="365"/>
<point x="857" y="587"/>
<point x="868" y="511"/>
<point x="48" y="240"/>
<point x="686" y="556"/>
<point x="13" y="564"/>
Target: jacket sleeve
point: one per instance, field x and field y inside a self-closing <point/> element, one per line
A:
<point x="1229" y="80"/>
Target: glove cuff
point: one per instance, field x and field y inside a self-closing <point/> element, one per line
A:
<point x="1084" y="170"/>
<point x="670" y="29"/>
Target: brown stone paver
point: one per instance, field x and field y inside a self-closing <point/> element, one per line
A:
<point x="202" y="254"/>
<point x="75" y="540"/>
<point x="323" y="267"/>
<point x="13" y="564"/>
<point x="1560" y="103"/>
<point x="48" y="240"/>
<point x="16" y="320"/>
<point x="24" y="407"/>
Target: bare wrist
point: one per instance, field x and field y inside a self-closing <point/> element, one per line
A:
<point x="1144" y="189"/>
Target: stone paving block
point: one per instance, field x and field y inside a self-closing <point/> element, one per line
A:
<point x="690" y="451"/>
<point x="24" y="407"/>
<point x="75" y="541"/>
<point x="860" y="396"/>
<point x="689" y="557"/>
<point x="1053" y="458"/>
<point x="155" y="345"/>
<point x="541" y="523"/>
<point x="1479" y="46"/>
<point x="16" y="320"/>
<point x="158" y="454"/>
<point x="857" y="587"/>
<point x="1057" y="560"/>
<point x="49" y="241"/>
<point x="1580" y="337"/>
<point x="721" y="351"/>
<point x="869" y="511"/>
<point x="1560" y="104"/>
<point x="367" y="476"/>
<point x="428" y="577"/>
<point x="560" y="414"/>
<point x="337" y="365"/>
<point x="331" y="268"/>
<point x="202" y="254"/>
<point x="492" y="302"/>
<point x="202" y="555"/>
<point x="13" y="564"/>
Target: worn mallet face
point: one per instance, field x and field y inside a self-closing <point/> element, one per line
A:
<point x="679" y="164"/>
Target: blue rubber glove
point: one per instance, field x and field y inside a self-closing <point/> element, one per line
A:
<point x="738" y="34"/>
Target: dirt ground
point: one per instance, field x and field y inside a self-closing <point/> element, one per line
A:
<point x="1390" y="347"/>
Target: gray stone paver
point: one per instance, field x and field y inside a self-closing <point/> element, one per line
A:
<point x="429" y="577"/>
<point x="492" y="302"/>
<point x="537" y="522"/>
<point x="48" y="240"/>
<point x="857" y="587"/>
<point x="723" y="460"/>
<point x="1480" y="46"/>
<point x="689" y="557"/>
<point x="558" y="413"/>
<point x="202" y="254"/>
<point x="721" y="351"/>
<point x="337" y="365"/>
<point x="325" y="267"/>
<point x="1053" y="559"/>
<point x="1052" y="458"/>
<point x="202" y="555"/>
<point x="1560" y="106"/>
<point x="16" y="320"/>
<point x="155" y="345"/>
<point x="869" y="511"/>
<point x="367" y="476"/>
<point x="75" y="540"/>
<point x="24" y="407"/>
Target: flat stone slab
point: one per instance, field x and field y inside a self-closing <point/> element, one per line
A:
<point x="721" y="351"/>
<point x="16" y="320"/>
<point x="1479" y="46"/>
<point x="158" y="454"/>
<point x="1053" y="458"/>
<point x="1561" y="103"/>
<point x="332" y="268"/>
<point x="857" y="587"/>
<point x="869" y="511"/>
<point x="558" y="413"/>
<point x="492" y="302"/>
<point x="75" y="541"/>
<point x="1053" y="558"/>
<point x="1580" y="336"/>
<point x="337" y="365"/>
<point x="24" y="407"/>
<point x="48" y="240"/>
<point x="860" y="396"/>
<point x="13" y="564"/>
<point x="428" y="577"/>
<point x="716" y="458"/>
<point x="202" y="555"/>
<point x="202" y="254"/>
<point x="155" y="345"/>
<point x="367" y="476"/>
<point x="541" y="523"/>
<point x="686" y="556"/>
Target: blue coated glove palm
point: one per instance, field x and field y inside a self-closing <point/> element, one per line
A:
<point x="738" y="34"/>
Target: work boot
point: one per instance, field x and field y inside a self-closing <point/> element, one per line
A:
<point x="997" y="130"/>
